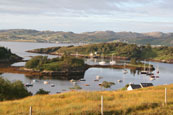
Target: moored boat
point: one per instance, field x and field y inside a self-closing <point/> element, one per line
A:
<point x="28" y="85"/>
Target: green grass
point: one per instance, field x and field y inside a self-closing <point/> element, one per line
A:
<point x="142" y="101"/>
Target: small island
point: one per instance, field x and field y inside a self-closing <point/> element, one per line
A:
<point x="65" y="67"/>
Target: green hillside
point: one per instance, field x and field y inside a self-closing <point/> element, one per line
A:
<point x="117" y="49"/>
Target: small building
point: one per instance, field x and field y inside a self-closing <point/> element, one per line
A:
<point x="146" y="85"/>
<point x="133" y="86"/>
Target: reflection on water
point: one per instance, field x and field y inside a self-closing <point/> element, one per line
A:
<point x="108" y="74"/>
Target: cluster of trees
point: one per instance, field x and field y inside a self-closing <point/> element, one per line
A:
<point x="5" y="54"/>
<point x="117" y="49"/>
<point x="12" y="90"/>
<point x="56" y="64"/>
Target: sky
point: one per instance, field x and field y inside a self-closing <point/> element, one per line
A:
<point x="88" y="15"/>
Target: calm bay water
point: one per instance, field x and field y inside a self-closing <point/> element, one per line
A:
<point x="108" y="74"/>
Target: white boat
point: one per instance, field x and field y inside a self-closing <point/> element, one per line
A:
<point x="52" y="85"/>
<point x="112" y="62"/>
<point x="98" y="77"/>
<point x="45" y="82"/>
<point x="149" y="72"/>
<point x="82" y="80"/>
<point x="124" y="70"/>
<point x="157" y="70"/>
<point x="72" y="80"/>
<point x="102" y="62"/>
<point x="152" y="79"/>
<point x="35" y="80"/>
<point x="144" y="71"/>
<point x="74" y="83"/>
<point x="120" y="81"/>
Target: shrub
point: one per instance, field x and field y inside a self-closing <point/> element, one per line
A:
<point x="55" y="64"/>
<point x="12" y="90"/>
<point x="42" y="92"/>
<point x="106" y="84"/>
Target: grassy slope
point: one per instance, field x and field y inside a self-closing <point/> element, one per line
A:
<point x="142" y="101"/>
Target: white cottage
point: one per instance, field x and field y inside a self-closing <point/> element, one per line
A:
<point x="133" y="86"/>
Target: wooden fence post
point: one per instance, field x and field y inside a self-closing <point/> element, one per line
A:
<point x="165" y="95"/>
<point x="101" y="105"/>
<point x="30" y="110"/>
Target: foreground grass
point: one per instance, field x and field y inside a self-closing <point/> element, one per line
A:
<point x="142" y="101"/>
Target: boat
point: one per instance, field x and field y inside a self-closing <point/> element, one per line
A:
<point x="82" y="79"/>
<point x="149" y="72"/>
<point x="86" y="85"/>
<point x="152" y="76"/>
<point x="120" y="81"/>
<point x="72" y="80"/>
<point x="98" y="77"/>
<point x="102" y="62"/>
<point x="28" y="85"/>
<point x="112" y="62"/>
<point x="35" y="80"/>
<point x="74" y="83"/>
<point x="152" y="79"/>
<point x="96" y="80"/>
<point x="157" y="77"/>
<point x="52" y="85"/>
<point x="157" y="70"/>
<point x="45" y="82"/>
<point x="124" y="70"/>
<point x="144" y="71"/>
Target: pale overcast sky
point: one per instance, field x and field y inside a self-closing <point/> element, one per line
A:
<point x="87" y="15"/>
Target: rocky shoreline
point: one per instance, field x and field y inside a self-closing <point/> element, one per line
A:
<point x="71" y="74"/>
<point x="65" y="74"/>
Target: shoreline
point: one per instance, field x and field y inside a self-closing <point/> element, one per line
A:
<point x="33" y="73"/>
<point x="67" y="75"/>
<point x="106" y="57"/>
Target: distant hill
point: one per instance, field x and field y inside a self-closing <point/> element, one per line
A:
<point x="154" y="38"/>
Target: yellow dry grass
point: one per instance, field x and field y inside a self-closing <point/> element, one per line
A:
<point x="141" y="101"/>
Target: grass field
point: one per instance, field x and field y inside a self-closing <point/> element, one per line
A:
<point x="141" y="101"/>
